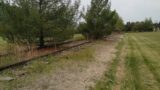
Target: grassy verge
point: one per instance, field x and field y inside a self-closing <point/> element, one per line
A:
<point x="108" y="80"/>
<point x="132" y="62"/>
<point x="25" y="75"/>
<point x="8" y="60"/>
<point x="78" y="37"/>
<point x="2" y="44"/>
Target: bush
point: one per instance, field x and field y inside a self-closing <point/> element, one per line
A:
<point x="78" y="37"/>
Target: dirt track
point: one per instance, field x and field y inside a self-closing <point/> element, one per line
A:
<point x="77" y="77"/>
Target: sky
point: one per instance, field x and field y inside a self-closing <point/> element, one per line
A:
<point x="134" y="10"/>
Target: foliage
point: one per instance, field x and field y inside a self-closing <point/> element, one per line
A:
<point x="99" y="20"/>
<point x="119" y="26"/>
<point x="156" y="27"/>
<point x="3" y="45"/>
<point x="78" y="37"/>
<point x="32" y="20"/>
<point x="144" y="26"/>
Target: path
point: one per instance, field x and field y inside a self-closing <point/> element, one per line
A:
<point x="76" y="77"/>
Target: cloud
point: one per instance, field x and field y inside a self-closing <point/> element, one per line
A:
<point x="134" y="10"/>
<point x="137" y="10"/>
<point x="85" y="2"/>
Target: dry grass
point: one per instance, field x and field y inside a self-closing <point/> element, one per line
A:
<point x="26" y="75"/>
<point x="2" y="45"/>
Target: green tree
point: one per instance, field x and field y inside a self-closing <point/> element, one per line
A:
<point x="119" y="26"/>
<point x="148" y="25"/>
<point x="143" y="26"/>
<point x="99" y="20"/>
<point x="32" y="20"/>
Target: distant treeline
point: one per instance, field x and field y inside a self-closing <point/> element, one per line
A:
<point x="144" y="26"/>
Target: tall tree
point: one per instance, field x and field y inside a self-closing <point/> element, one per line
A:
<point x="99" y="19"/>
<point x="119" y="26"/>
<point x="29" y="20"/>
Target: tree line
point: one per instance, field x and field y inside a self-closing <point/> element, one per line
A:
<point x="156" y="27"/>
<point x="142" y="26"/>
<point x="35" y="21"/>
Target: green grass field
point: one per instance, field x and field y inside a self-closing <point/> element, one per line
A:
<point x="141" y="64"/>
<point x="142" y="61"/>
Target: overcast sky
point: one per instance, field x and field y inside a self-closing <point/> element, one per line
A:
<point x="134" y="10"/>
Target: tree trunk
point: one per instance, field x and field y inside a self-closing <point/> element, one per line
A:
<point x="41" y="38"/>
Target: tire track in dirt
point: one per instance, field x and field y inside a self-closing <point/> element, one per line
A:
<point x="120" y="74"/>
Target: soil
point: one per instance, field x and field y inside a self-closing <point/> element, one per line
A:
<point x="80" y="76"/>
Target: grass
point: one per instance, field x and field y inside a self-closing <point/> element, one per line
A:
<point x="78" y="37"/>
<point x="7" y="60"/>
<point x="2" y="44"/>
<point x="142" y="64"/>
<point x="7" y="48"/>
<point x="132" y="62"/>
<point x="25" y="75"/>
<point x="108" y="80"/>
<point x="2" y="41"/>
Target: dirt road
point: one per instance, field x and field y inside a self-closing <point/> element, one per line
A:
<point x="77" y="78"/>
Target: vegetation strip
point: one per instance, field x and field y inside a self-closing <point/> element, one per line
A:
<point x="132" y="64"/>
<point x="141" y="71"/>
<point x="57" y="44"/>
<point x="110" y="76"/>
<point x="149" y="64"/>
<point x="27" y="60"/>
<point x="120" y="74"/>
